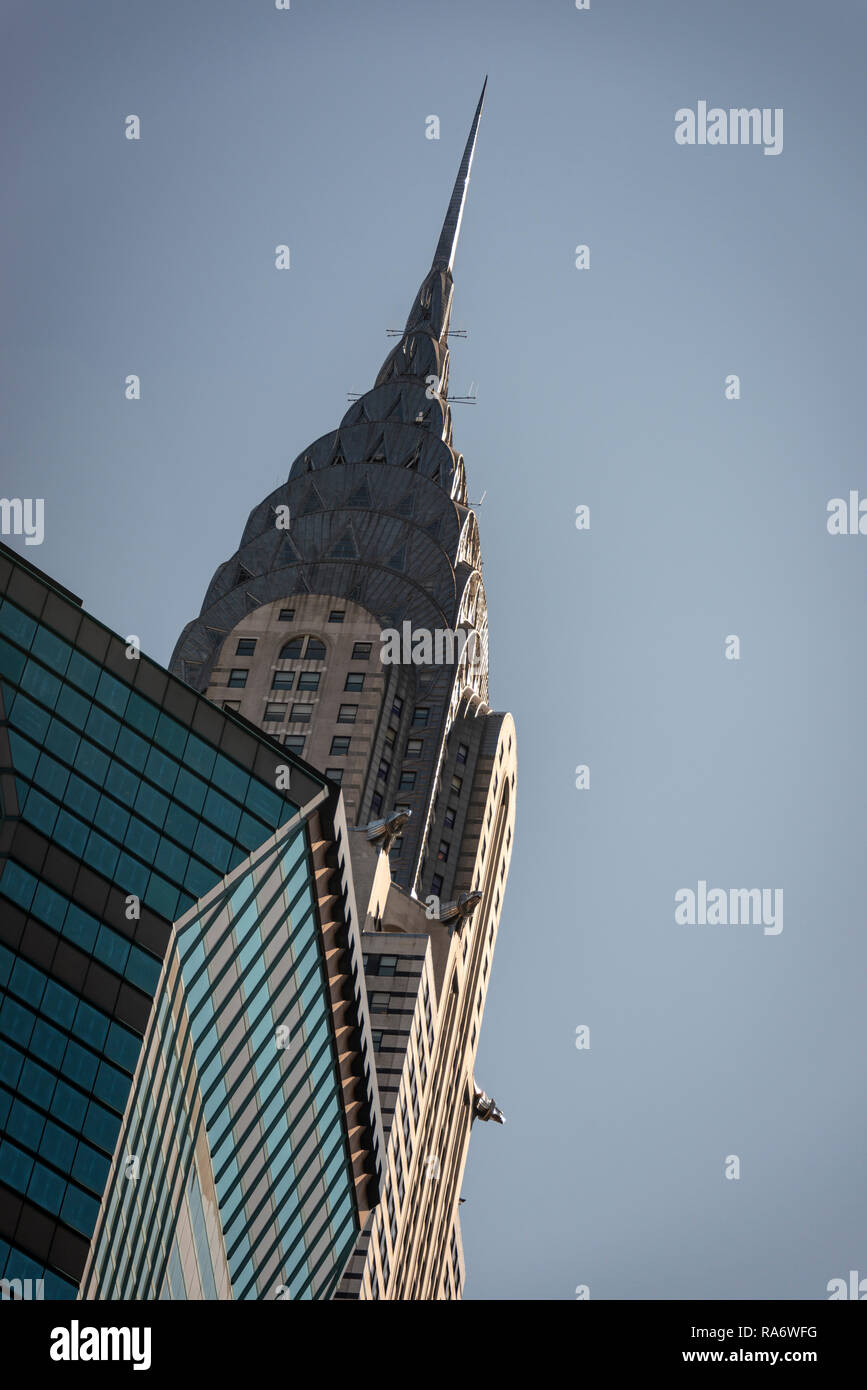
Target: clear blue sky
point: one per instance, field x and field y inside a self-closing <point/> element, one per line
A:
<point x="602" y="387"/>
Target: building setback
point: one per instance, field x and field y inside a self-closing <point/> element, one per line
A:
<point x="371" y="534"/>
<point x="169" y="876"/>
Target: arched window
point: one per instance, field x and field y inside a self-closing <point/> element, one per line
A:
<point x="293" y="650"/>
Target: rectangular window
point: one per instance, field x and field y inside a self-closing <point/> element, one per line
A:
<point x="301" y="714"/>
<point x="295" y="742"/>
<point x="463" y="750"/>
<point x="413" y="748"/>
<point x="286" y="615"/>
<point x="384" y="769"/>
<point x="397" y="707"/>
<point x="308" y="680"/>
<point x="420" y="716"/>
<point x="354" y="681"/>
<point x="339" y="747"/>
<point x="457" y="784"/>
<point x="382" y="965"/>
<point x="436" y="884"/>
<point x="237" y="678"/>
<point x="449" y="817"/>
<point x="337" y="615"/>
<point x="361" y="651"/>
<point x="335" y="773"/>
<point x="283" y="680"/>
<point x="346" y="714"/>
<point x="376" y="804"/>
<point x="275" y="714"/>
<point x="407" y="782"/>
<point x="246" y="646"/>
<point x="290" y="651"/>
<point x="443" y="851"/>
<point x="315" y="649"/>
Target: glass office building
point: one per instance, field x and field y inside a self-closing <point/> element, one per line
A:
<point x="131" y="803"/>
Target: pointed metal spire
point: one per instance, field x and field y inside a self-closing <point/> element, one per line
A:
<point x="448" y="242"/>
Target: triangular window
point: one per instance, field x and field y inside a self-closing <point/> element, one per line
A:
<point x="360" y="497"/>
<point x="345" y="548"/>
<point x="312" y="503"/>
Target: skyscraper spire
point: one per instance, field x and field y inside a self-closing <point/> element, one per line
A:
<point x="448" y="242"/>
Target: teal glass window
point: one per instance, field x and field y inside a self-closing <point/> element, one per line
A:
<point x="91" y="1025"/>
<point x="70" y="833"/>
<point x="111" y="818"/>
<point x="264" y="803"/>
<point x="141" y="714"/>
<point x="16" y="624"/>
<point x="122" y="1047"/>
<point x="161" y="896"/>
<point x="61" y="741"/>
<point x="46" y="1189"/>
<point x="102" y="728"/>
<point x="92" y="762"/>
<point x="37" y="1083"/>
<point x="57" y="1146"/>
<point x="49" y="906"/>
<point x="79" y="1066"/>
<point x="113" y="693"/>
<point x="121" y="783"/>
<point x="223" y="813"/>
<point x="132" y="874"/>
<point x="132" y="749"/>
<point x="79" y="1210"/>
<point x="29" y="718"/>
<point x="15" y="1166"/>
<point x="12" y="662"/>
<point x="180" y="824"/>
<point x="230" y="778"/>
<point x="52" y="650"/>
<point x="151" y="804"/>
<point x="101" y="854"/>
<point x="80" y="927"/>
<point x="142" y="840"/>
<point x="41" y="684"/>
<point x="171" y="735"/>
<point x="81" y="797"/>
<point x="16" y="883"/>
<point x="83" y="672"/>
<point x="68" y="1105"/>
<point x="190" y="790"/>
